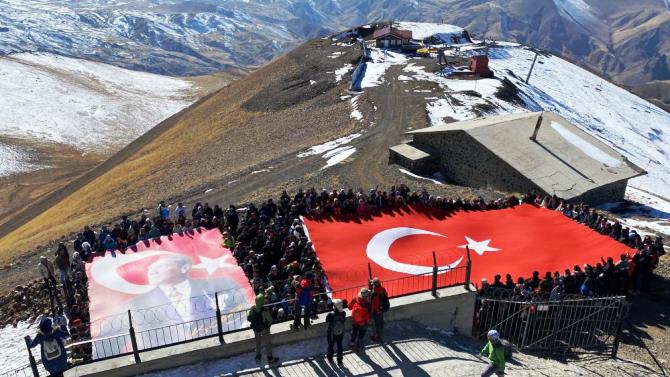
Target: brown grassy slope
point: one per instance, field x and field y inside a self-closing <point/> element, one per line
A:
<point x="273" y="112"/>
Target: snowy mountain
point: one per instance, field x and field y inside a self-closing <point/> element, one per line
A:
<point x="91" y="105"/>
<point x="634" y="127"/>
<point x="629" y="41"/>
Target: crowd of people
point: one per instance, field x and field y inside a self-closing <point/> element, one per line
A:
<point x="628" y="274"/>
<point x="271" y="246"/>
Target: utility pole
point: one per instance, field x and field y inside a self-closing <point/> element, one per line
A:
<point x="531" y="68"/>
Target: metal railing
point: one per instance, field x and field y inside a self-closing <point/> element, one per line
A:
<point x="567" y="325"/>
<point x="132" y="341"/>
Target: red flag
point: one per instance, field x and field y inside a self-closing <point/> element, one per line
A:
<point x="399" y="244"/>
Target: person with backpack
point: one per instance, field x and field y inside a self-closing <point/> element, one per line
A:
<point x="360" y="317"/>
<point x="260" y="321"/>
<point x="335" y="335"/>
<point x="380" y="305"/>
<point x="50" y="337"/>
<point x="495" y="351"/>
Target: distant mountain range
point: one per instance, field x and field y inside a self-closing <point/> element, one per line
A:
<point x="628" y="41"/>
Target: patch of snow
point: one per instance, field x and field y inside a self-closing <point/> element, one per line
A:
<point x="650" y="200"/>
<point x="579" y="12"/>
<point x="630" y="125"/>
<point x="13" y="352"/>
<point x="342" y="71"/>
<point x="345" y="97"/>
<point x="91" y="106"/>
<point x="335" y="158"/>
<point x="437" y="180"/>
<point x="377" y="66"/>
<point x="312" y="82"/>
<point x="584" y="146"/>
<point x="404" y="78"/>
<point x="422" y="91"/>
<point x="355" y="113"/>
<point x="336" y="54"/>
<point x="16" y="160"/>
<point x="421" y="30"/>
<point x="260" y="171"/>
<point x="325" y="147"/>
<point x="209" y="190"/>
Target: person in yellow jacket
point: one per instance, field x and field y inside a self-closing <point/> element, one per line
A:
<point x="495" y="351"/>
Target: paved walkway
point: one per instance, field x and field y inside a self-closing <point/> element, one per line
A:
<point x="412" y="350"/>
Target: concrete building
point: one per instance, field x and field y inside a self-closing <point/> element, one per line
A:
<point x="520" y="153"/>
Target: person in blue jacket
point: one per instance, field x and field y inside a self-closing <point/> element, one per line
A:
<point x="51" y="339"/>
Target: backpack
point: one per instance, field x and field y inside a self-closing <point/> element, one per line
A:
<point x="256" y="318"/>
<point x="51" y="349"/>
<point x="384" y="303"/>
<point x="338" y="323"/>
<point x="509" y="349"/>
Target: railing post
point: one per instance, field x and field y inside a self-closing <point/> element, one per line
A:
<point x="133" y="340"/>
<point x="468" y="268"/>
<point x="31" y="358"/>
<point x="434" y="285"/>
<point x="219" y="324"/>
<point x="369" y="272"/>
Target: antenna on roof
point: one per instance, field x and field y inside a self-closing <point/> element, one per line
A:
<point x="537" y="126"/>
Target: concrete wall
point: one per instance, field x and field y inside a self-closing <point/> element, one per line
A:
<point x="452" y="310"/>
<point x="613" y="192"/>
<point x="421" y="166"/>
<point x="465" y="161"/>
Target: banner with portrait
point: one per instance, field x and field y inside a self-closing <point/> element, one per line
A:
<point x="170" y="286"/>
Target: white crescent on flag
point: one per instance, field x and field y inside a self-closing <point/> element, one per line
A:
<point x="378" y="251"/>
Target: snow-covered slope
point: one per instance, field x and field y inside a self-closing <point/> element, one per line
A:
<point x="634" y="127"/>
<point x="92" y="106"/>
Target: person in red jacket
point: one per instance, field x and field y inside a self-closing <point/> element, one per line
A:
<point x="360" y="317"/>
<point x="380" y="304"/>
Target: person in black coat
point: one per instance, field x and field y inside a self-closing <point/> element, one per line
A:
<point x="335" y="334"/>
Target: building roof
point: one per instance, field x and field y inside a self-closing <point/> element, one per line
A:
<point x="383" y="32"/>
<point x="563" y="160"/>
<point x="453" y="38"/>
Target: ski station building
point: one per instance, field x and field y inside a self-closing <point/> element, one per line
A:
<point x="537" y="152"/>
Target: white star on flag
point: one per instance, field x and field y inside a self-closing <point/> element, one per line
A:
<point x="479" y="247"/>
<point x="213" y="264"/>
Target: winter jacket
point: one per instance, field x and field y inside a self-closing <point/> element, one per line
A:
<point x="304" y="292"/>
<point x="496" y="353"/>
<point x="54" y="356"/>
<point x="259" y="316"/>
<point x="360" y="314"/>
<point x="335" y="319"/>
<point x="378" y="296"/>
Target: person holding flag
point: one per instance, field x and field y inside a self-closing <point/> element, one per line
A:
<point x="51" y="337"/>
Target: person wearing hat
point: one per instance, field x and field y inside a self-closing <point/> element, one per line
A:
<point x="335" y="334"/>
<point x="260" y="321"/>
<point x="51" y="338"/>
<point x="495" y="351"/>
<point x="360" y="317"/>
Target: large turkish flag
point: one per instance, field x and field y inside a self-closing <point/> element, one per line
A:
<point x="398" y="244"/>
